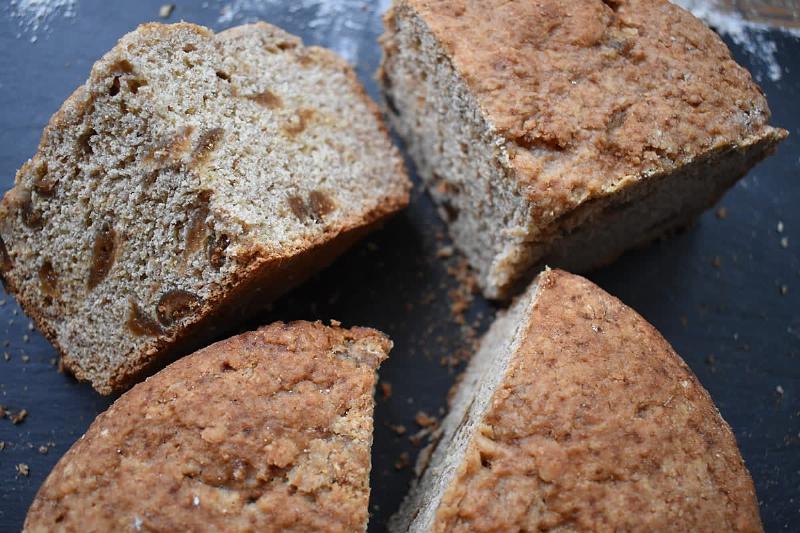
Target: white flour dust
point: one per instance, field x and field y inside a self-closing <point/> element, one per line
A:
<point x="751" y="36"/>
<point x="33" y="17"/>
<point x="337" y="24"/>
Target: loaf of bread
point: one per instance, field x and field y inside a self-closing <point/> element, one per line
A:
<point x="267" y="431"/>
<point x="567" y="132"/>
<point x="576" y="415"/>
<point x="192" y="179"/>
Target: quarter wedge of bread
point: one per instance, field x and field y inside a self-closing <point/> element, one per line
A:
<point x="267" y="431"/>
<point x="576" y="415"/>
<point x="565" y="133"/>
<point x="192" y="179"/>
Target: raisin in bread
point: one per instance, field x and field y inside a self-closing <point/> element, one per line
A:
<point x="267" y="431"/>
<point x="567" y="132"/>
<point x="192" y="179"/>
<point x="576" y="415"/>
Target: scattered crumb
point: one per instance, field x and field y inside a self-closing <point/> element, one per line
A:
<point x="18" y="418"/>
<point x="23" y="469"/>
<point x="7" y="356"/>
<point x="166" y="10"/>
<point x="53" y="361"/>
<point x="25" y="358"/>
<point x="30" y="326"/>
<point x="722" y="213"/>
<point x="461" y="296"/>
<point x="423" y="420"/>
<point x="780" y="226"/>
<point x="444" y="252"/>
<point x="386" y="390"/>
<point x="716" y="262"/>
<point x="779" y="391"/>
<point x="2" y="445"/>
<point x="784" y="290"/>
<point x="25" y="338"/>
<point x="784" y="242"/>
<point x="399" y="429"/>
<point x="43" y="449"/>
<point x="335" y="323"/>
<point x="402" y="461"/>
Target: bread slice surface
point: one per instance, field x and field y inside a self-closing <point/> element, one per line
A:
<point x="564" y="133"/>
<point x="192" y="179"/>
<point x="267" y="431"/>
<point x="576" y="415"/>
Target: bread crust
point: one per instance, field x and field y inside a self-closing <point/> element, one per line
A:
<point x="269" y="431"/>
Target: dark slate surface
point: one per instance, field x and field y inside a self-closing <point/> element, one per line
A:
<point x="715" y="291"/>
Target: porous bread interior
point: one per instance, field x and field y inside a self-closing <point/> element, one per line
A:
<point x="466" y="168"/>
<point x="458" y="155"/>
<point x="171" y="120"/>
<point x="483" y="375"/>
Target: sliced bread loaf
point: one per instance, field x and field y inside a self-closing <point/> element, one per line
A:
<point x="576" y="415"/>
<point x="267" y="431"/>
<point x="193" y="178"/>
<point x="566" y="132"/>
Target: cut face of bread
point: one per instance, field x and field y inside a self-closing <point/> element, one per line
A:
<point x="267" y="431"/>
<point x="567" y="132"/>
<point x="192" y="178"/>
<point x="576" y="415"/>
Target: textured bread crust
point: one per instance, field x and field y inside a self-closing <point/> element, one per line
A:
<point x="192" y="179"/>
<point x="595" y="424"/>
<point x="267" y="431"/>
<point x="534" y="121"/>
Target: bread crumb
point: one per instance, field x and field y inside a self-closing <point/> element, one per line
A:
<point x="399" y="429"/>
<point x="779" y="391"/>
<point x="2" y="445"/>
<point x="18" y="418"/>
<point x="423" y="420"/>
<point x="722" y="213"/>
<point x="784" y="290"/>
<point x="780" y="226"/>
<point x="386" y="390"/>
<point x="335" y="323"/>
<point x="43" y="449"/>
<point x="402" y="461"/>
<point x="166" y="10"/>
<point x="23" y="469"/>
<point x="444" y="252"/>
<point x="784" y="242"/>
<point x="7" y="356"/>
<point x="25" y="358"/>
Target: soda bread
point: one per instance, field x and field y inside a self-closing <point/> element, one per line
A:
<point x="576" y="415"/>
<point x="566" y="132"/>
<point x="192" y="178"/>
<point x="267" y="431"/>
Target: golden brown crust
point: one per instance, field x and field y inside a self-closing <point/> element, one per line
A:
<point x="598" y="425"/>
<point x="267" y="431"/>
<point x="587" y="93"/>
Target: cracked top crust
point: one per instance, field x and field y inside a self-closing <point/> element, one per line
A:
<point x="267" y="431"/>
<point x="588" y="93"/>
<point x="598" y="425"/>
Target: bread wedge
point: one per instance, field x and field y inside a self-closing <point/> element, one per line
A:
<point x="267" y="431"/>
<point x="576" y="415"/>
<point x="564" y="133"/>
<point x="192" y="179"/>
